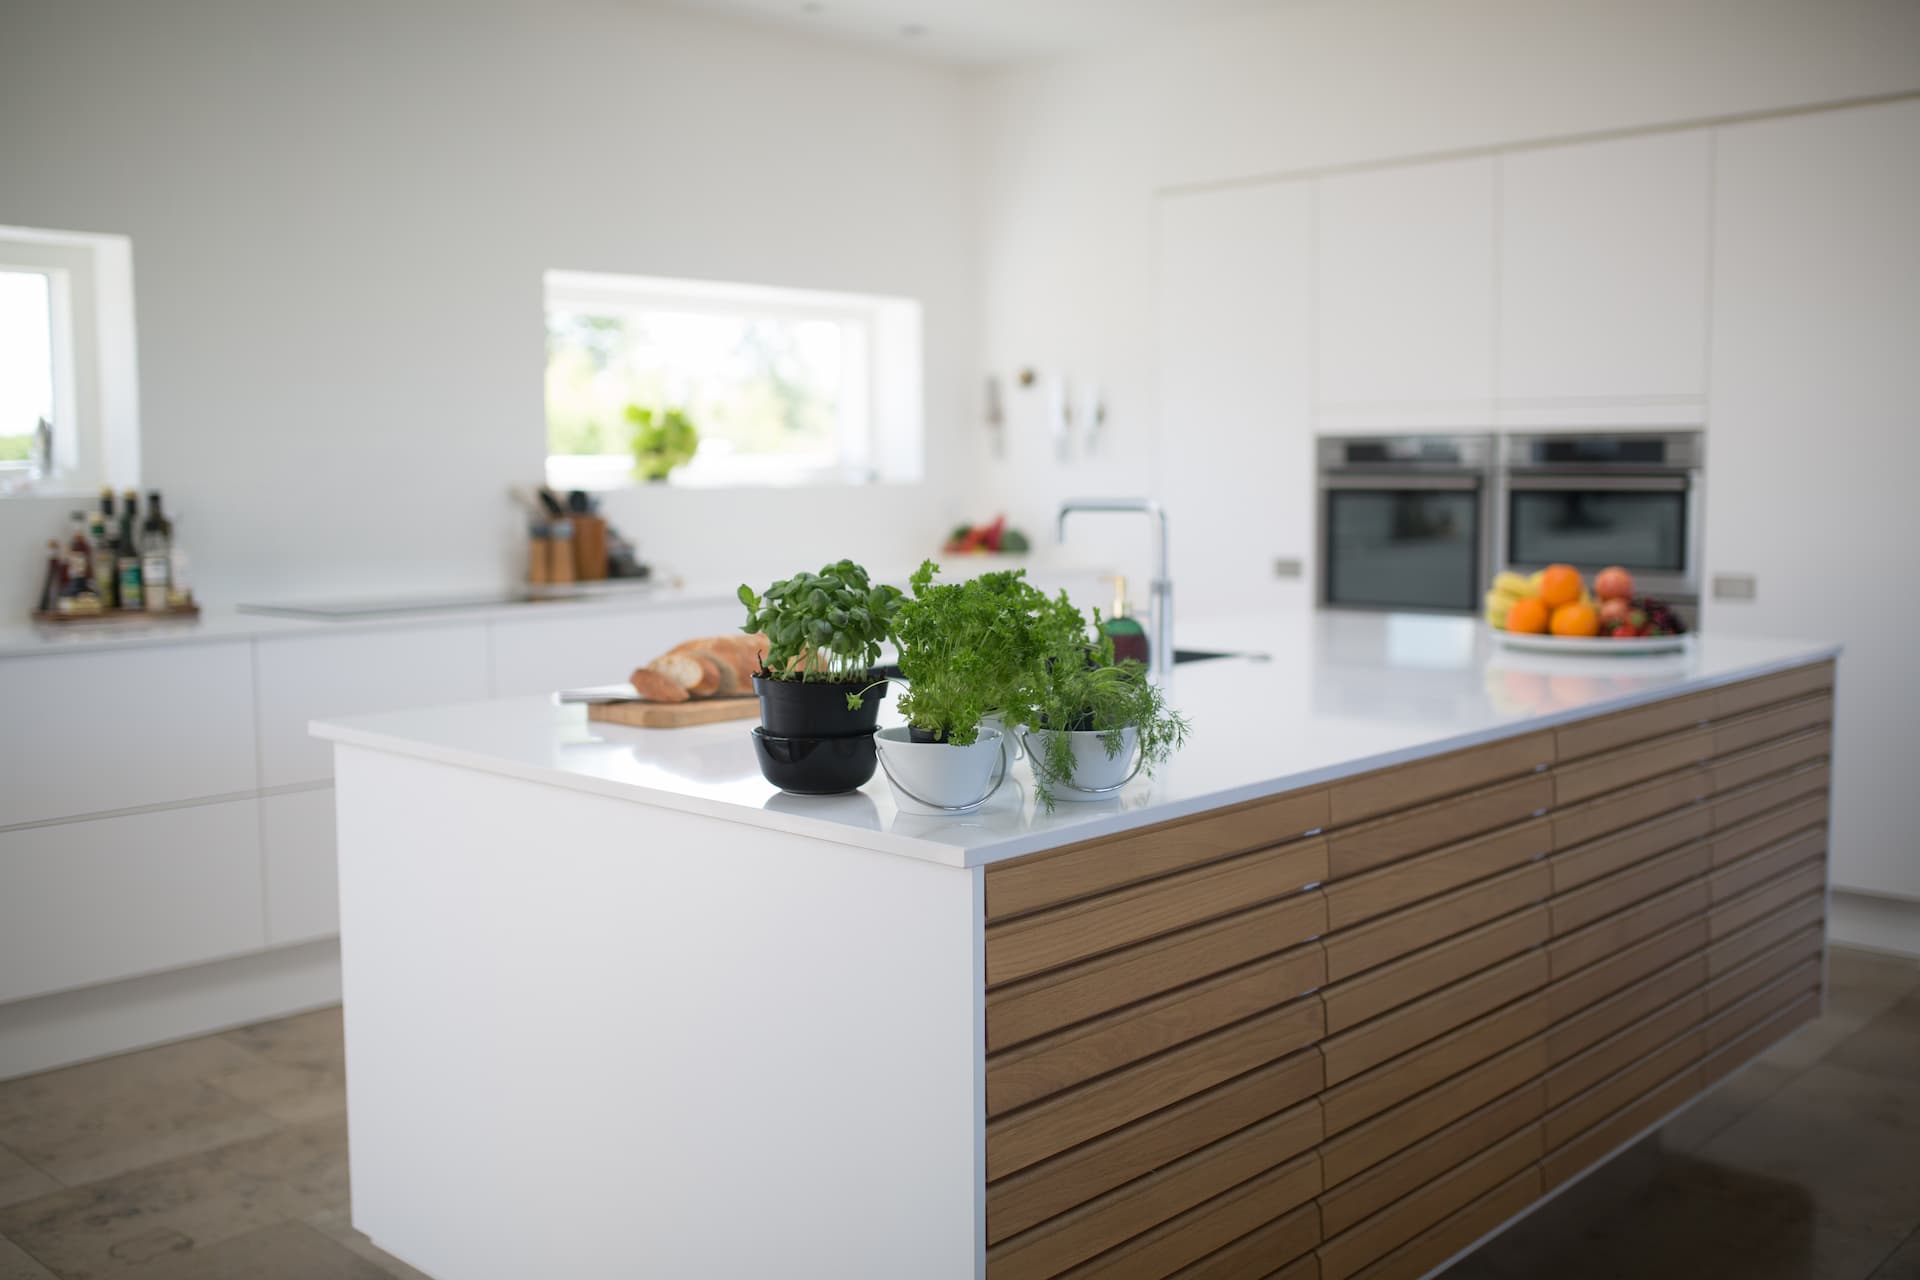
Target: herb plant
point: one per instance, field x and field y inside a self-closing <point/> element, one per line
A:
<point x="969" y="650"/>
<point x="662" y="440"/>
<point x="1084" y="689"/>
<point x="825" y="626"/>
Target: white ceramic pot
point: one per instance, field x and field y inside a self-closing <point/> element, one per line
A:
<point x="1096" y="774"/>
<point x="940" y="776"/>
<point x="1016" y="749"/>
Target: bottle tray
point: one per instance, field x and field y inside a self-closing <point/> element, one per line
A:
<point x="107" y="617"/>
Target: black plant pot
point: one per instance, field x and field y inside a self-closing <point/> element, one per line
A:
<point x="816" y="766"/>
<point x="818" y="709"/>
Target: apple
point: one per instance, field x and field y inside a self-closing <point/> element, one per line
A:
<point x="1613" y="583"/>
<point x="1615" y="610"/>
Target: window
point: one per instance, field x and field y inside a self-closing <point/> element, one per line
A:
<point x="69" y="393"/>
<point x="784" y="386"/>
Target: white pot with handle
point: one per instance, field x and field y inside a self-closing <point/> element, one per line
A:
<point x="939" y="775"/>
<point x="1096" y="772"/>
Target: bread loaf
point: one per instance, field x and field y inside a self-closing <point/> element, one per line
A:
<point x="720" y="659"/>
<point x="693" y="674"/>
<point x="655" y="687"/>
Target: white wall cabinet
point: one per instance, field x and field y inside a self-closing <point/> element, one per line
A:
<point x="1235" y="308"/>
<point x="1405" y="263"/>
<point x="302" y="877"/>
<point x="90" y="732"/>
<point x="93" y="901"/>
<point x="1603" y="280"/>
<point x="310" y="676"/>
<point x="593" y="646"/>
<point x="1813" y="451"/>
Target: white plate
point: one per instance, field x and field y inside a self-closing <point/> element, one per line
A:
<point x="1621" y="647"/>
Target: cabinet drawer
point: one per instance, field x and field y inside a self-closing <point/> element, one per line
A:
<point x="1740" y="839"/>
<point x="1736" y="985"/>
<point x="1391" y="985"/>
<point x="1201" y="1230"/>
<point x="1345" y="1155"/>
<point x="1574" y="1117"/>
<point x="1290" y="1236"/>
<point x="1062" y="997"/>
<point x="1420" y="1255"/>
<point x="1345" y="1254"/>
<point x="1607" y="733"/>
<point x="1756" y="727"/>
<point x="585" y="645"/>
<point x="1076" y="1176"/>
<point x="1757" y="868"/>
<point x="1671" y="982"/>
<point x="1620" y="1051"/>
<point x="1121" y="1214"/>
<point x="302" y="869"/>
<point x="1755" y="798"/>
<point x="1736" y="1053"/>
<point x="312" y="677"/>
<point x="1019" y="885"/>
<point x="1583" y="1152"/>
<point x="1363" y="897"/>
<point x="94" y="732"/>
<point x="1618" y="809"/>
<point x="1585" y="863"/>
<point x="1352" y="850"/>
<point x="1365" y="1096"/>
<point x="1621" y="890"/>
<point x="1737" y="913"/>
<point x="1365" y="1195"/>
<point x="1622" y="768"/>
<point x="1737" y="1019"/>
<point x="1606" y="938"/>
<point x="1763" y="934"/>
<point x="1366" y="1046"/>
<point x="1776" y="757"/>
<point x="1062" y="935"/>
<point x="1048" y="1065"/>
<point x="1748" y="694"/>
<point x="1357" y="799"/>
<point x="110" y="898"/>
<point x="1351" y="951"/>
<point x="1067" y="1119"/>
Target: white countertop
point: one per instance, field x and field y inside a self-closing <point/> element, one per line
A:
<point x="29" y="639"/>
<point x="1339" y="694"/>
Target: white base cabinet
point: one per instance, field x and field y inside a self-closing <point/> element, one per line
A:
<point x="93" y="901"/>
<point x="302" y="879"/>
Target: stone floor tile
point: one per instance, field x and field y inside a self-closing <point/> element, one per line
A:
<point x="20" y="1180"/>
<point x="337" y="1225"/>
<point x="290" y="1094"/>
<point x="17" y="1264"/>
<point x="1888" y="1045"/>
<point x="103" y="1229"/>
<point x="283" y="1251"/>
<point x="311" y="1041"/>
<point x="1903" y="1264"/>
<point x="78" y="1138"/>
<point x="1733" y="1098"/>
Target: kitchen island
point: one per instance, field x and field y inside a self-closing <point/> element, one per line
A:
<point x="1413" y="932"/>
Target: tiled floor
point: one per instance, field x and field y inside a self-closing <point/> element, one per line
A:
<point x="224" y="1158"/>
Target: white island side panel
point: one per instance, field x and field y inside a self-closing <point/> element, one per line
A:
<point x="664" y="1044"/>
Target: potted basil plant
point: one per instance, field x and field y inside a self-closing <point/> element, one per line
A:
<point x="1095" y="722"/>
<point x="968" y="650"/>
<point x="824" y="631"/>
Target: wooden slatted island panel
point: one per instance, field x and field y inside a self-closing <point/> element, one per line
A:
<point x="1347" y="1031"/>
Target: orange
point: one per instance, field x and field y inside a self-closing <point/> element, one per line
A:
<point x="1577" y="619"/>
<point x="1560" y="584"/>
<point x="1529" y="614"/>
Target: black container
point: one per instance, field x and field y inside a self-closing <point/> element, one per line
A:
<point x="816" y="766"/>
<point x="818" y="709"/>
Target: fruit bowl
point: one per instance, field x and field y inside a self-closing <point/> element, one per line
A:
<point x="1618" y="646"/>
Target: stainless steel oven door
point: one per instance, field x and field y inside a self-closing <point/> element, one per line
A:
<point x="1403" y="542"/>
<point x="1649" y="524"/>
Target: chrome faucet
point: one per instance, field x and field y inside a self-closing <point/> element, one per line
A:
<point x="1161" y="591"/>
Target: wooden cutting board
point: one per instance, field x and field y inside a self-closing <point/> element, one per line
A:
<point x="674" y="715"/>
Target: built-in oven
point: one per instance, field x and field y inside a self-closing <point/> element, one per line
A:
<point x="1626" y="498"/>
<point x="1405" y="521"/>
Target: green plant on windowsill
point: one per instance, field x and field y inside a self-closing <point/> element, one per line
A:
<point x="662" y="440"/>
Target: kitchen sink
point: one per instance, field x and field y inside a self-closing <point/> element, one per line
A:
<point x="1202" y="655"/>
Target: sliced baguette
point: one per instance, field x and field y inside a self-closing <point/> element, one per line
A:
<point x="691" y="672"/>
<point x="655" y="687"/>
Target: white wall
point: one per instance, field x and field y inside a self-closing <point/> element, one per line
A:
<point x="1076" y="153"/>
<point x="340" y="214"/>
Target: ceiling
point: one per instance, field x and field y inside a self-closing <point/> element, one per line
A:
<point x="982" y="32"/>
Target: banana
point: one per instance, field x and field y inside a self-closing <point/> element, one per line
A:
<point x="1510" y="583"/>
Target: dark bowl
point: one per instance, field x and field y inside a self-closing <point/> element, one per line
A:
<point x="815" y="766"/>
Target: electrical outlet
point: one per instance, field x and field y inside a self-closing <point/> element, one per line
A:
<point x="1287" y="567"/>
<point x="1733" y="586"/>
